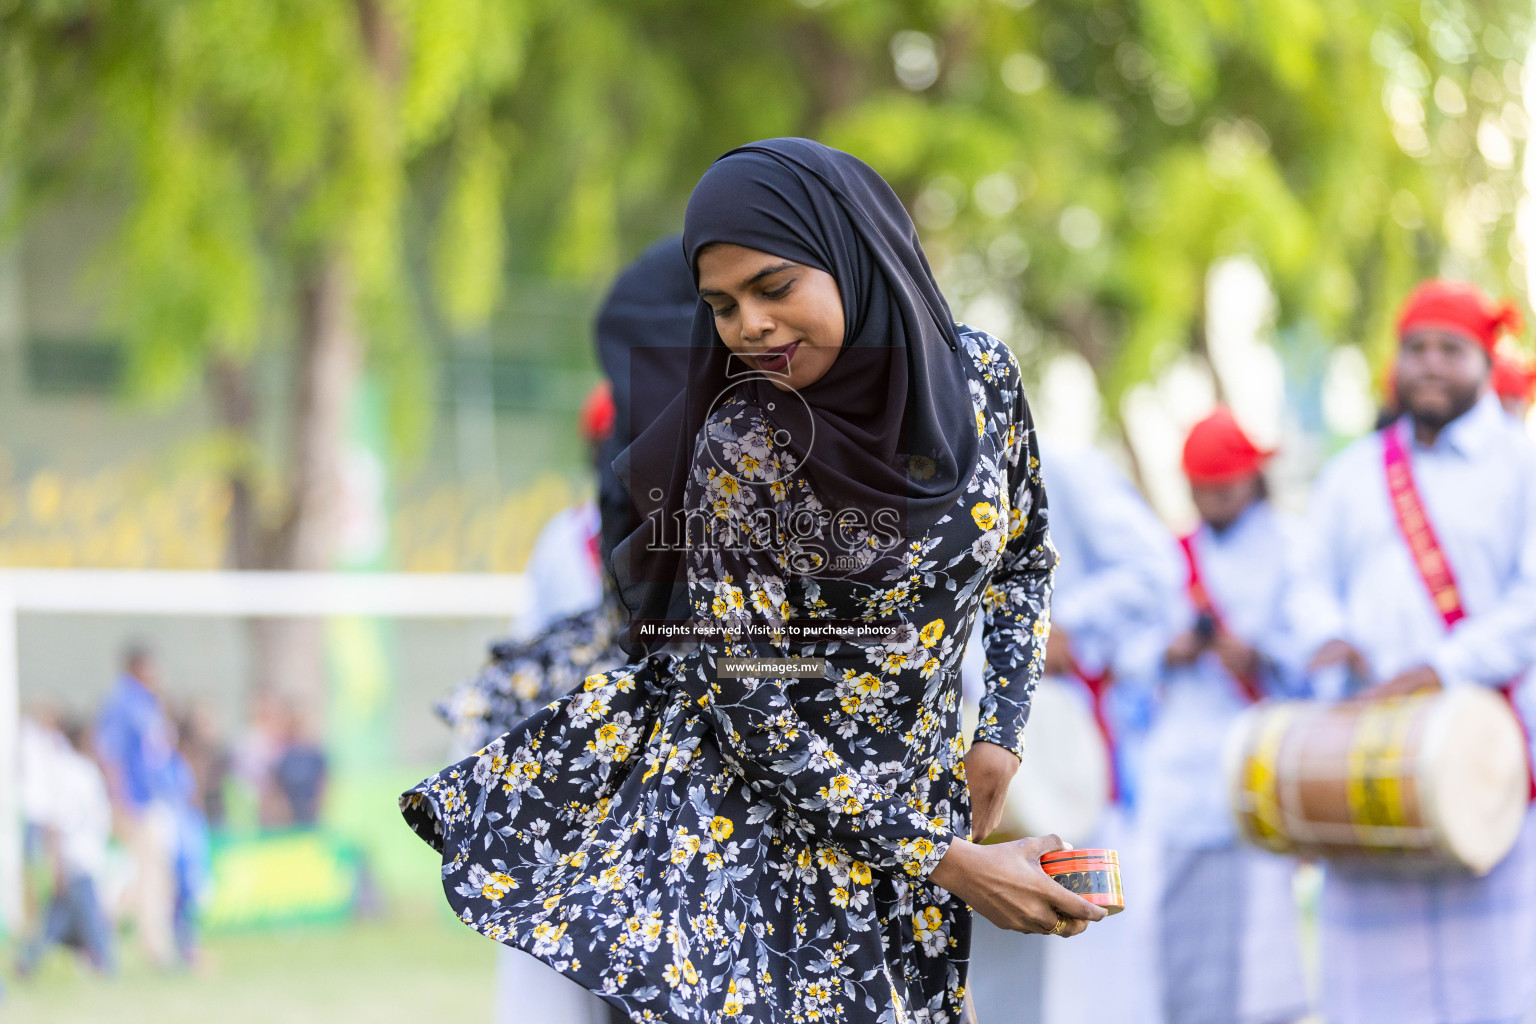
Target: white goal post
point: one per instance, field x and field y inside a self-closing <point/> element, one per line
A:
<point x="201" y="594"/>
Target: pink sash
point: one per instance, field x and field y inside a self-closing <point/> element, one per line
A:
<point x="1428" y="558"/>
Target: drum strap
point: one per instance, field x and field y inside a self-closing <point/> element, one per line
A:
<point x="1098" y="692"/>
<point x="1200" y="597"/>
<point x="1428" y="557"/>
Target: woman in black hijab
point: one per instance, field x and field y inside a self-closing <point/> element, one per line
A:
<point x="694" y="837"/>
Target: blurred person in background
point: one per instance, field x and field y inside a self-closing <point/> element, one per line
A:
<point x="1229" y="951"/>
<point x="1117" y="576"/>
<point x="1514" y="381"/>
<point x="74" y="840"/>
<point x="41" y="746"/>
<point x="646" y="316"/>
<point x="565" y="567"/>
<point x="191" y="859"/>
<point x="208" y="757"/>
<point x="299" y="773"/>
<point x="136" y="744"/>
<point x="255" y="752"/>
<point x="575" y="616"/>
<point x="1378" y="615"/>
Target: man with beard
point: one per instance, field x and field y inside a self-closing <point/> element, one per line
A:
<point x="1397" y="606"/>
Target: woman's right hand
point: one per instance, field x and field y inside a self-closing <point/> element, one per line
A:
<point x="1005" y="884"/>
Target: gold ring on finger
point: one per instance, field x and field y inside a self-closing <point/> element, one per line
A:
<point x="1061" y="925"/>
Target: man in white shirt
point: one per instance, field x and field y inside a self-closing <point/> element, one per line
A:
<point x="1442" y="948"/>
<point x="1228" y="949"/>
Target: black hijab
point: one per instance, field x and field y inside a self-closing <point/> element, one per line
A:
<point x="642" y="334"/>
<point x="890" y="425"/>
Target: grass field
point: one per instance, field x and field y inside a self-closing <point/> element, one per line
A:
<point x="416" y="965"/>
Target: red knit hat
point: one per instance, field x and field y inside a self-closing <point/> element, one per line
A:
<point x="1218" y="452"/>
<point x="1462" y="308"/>
<point x="595" y="422"/>
<point x="1514" y="374"/>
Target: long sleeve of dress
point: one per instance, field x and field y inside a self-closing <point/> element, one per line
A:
<point x="740" y="558"/>
<point x="1016" y="605"/>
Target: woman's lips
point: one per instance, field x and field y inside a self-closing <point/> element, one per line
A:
<point x="776" y="360"/>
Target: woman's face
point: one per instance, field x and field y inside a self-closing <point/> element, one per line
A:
<point x="782" y="318"/>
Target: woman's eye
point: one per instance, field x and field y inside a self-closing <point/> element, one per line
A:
<point x="780" y="292"/>
<point x="722" y="311"/>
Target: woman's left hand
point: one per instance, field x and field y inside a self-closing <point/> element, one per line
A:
<point x="989" y="769"/>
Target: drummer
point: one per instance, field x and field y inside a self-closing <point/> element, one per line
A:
<point x="1117" y="576"/>
<point x="1456" y="606"/>
<point x="1228" y="948"/>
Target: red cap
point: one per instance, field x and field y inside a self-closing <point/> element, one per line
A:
<point x="1218" y="452"/>
<point x="1514" y="374"/>
<point x="595" y="422"/>
<point x="1462" y="308"/>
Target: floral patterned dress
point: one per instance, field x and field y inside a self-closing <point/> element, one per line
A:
<point x="522" y="676"/>
<point x="700" y="849"/>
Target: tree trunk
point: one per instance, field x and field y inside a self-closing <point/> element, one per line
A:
<point x="1087" y="326"/>
<point x="288" y="654"/>
<point x="327" y="370"/>
<point x="234" y="402"/>
<point x="1200" y="344"/>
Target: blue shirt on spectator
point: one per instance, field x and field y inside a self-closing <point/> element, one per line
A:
<point x="134" y="739"/>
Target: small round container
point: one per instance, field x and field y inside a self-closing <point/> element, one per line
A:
<point x="1092" y="874"/>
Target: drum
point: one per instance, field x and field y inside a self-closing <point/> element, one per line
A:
<point x="1062" y="785"/>
<point x="1430" y="780"/>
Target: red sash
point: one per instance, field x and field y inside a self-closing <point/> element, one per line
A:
<point x="1098" y="691"/>
<point x="1200" y="597"/>
<point x="1428" y="557"/>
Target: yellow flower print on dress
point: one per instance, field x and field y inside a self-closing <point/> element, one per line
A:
<point x="984" y="514"/>
<point x="932" y="633"/>
<point x="728" y="601"/>
<point x="497" y="885"/>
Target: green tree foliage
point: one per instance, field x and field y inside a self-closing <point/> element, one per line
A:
<point x="1092" y="160"/>
<point x="1086" y="161"/>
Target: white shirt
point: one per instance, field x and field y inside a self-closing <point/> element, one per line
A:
<point x="41" y="750"/>
<point x="82" y="814"/>
<point x="563" y="569"/>
<point x="1246" y="572"/>
<point x="1357" y="580"/>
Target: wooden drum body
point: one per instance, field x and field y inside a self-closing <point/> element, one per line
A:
<point x="1435" y="780"/>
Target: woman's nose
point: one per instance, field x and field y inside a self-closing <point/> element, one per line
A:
<point x="755" y="325"/>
